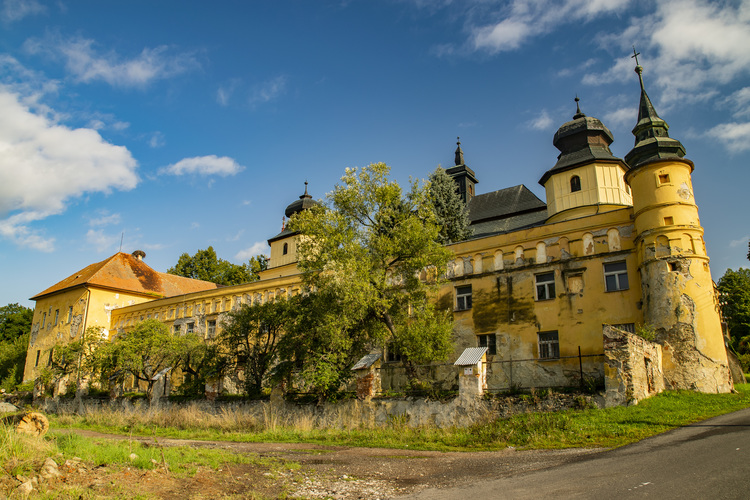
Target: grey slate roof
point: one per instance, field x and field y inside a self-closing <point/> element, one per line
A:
<point x="505" y="210"/>
<point x="470" y="356"/>
<point x="366" y="361"/>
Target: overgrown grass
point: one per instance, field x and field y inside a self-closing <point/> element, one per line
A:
<point x="571" y="428"/>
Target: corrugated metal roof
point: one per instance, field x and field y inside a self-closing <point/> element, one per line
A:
<point x="366" y="361"/>
<point x="124" y="272"/>
<point x="470" y="356"/>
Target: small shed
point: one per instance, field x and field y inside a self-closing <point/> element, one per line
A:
<point x="472" y="379"/>
<point x="367" y="372"/>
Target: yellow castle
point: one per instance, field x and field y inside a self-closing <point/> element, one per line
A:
<point x="618" y="242"/>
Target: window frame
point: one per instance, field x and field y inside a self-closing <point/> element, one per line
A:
<point x="548" y="286"/>
<point x="488" y="340"/>
<point x="210" y="328"/>
<point x="549" y="344"/>
<point x="463" y="299"/>
<point x="190" y="327"/>
<point x="617" y="275"/>
<point x="575" y="184"/>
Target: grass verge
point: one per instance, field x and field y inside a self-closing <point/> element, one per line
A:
<point x="609" y="427"/>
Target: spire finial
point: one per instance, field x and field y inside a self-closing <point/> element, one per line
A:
<point x="283" y="223"/>
<point x="638" y="67"/>
<point x="305" y="186"/>
<point x="578" y="109"/>
<point x="459" y="153"/>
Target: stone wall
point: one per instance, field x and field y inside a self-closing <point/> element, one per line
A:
<point x="633" y="367"/>
<point x="349" y="414"/>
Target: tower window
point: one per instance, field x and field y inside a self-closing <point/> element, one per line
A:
<point x="668" y="221"/>
<point x="286" y="249"/>
<point x="575" y="184"/>
<point x="663" y="179"/>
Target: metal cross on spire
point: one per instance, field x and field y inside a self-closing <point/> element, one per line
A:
<point x="635" y="56"/>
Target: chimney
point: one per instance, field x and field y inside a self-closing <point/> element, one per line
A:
<point x="139" y="254"/>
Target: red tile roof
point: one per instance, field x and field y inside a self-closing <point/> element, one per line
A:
<point x="124" y="272"/>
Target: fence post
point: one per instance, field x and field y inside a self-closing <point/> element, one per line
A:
<point x="580" y="366"/>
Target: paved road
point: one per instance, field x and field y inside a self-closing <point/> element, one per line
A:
<point x="709" y="460"/>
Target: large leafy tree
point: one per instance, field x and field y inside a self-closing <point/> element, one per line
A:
<point x="146" y="350"/>
<point x="367" y="253"/>
<point x="15" y="325"/>
<point x="206" y="266"/>
<point x="734" y="287"/>
<point x="251" y="335"/>
<point x="451" y="213"/>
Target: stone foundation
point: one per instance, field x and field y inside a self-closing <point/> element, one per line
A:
<point x="633" y="368"/>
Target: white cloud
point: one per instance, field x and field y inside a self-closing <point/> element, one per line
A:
<point x="541" y="122"/>
<point x="735" y="136"/>
<point x="236" y="236"/>
<point x="105" y="219"/>
<point x="44" y="164"/>
<point x="86" y="64"/>
<point x="225" y="92"/>
<point x="524" y="19"/>
<point x="621" y="117"/>
<point x="688" y="48"/>
<point x="157" y="140"/>
<point x="101" y="241"/>
<point x="268" y="91"/>
<point x="204" y="165"/>
<point x="742" y="241"/>
<point x="15" y="10"/>
<point x="257" y="248"/>
<point x="739" y="102"/>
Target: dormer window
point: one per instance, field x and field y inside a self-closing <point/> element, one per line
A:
<point x="286" y="249"/>
<point x="575" y="184"/>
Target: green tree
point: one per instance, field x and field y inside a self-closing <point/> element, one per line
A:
<point x="451" y="213"/>
<point x="366" y="253"/>
<point x="734" y="287"/>
<point x="144" y="351"/>
<point x="15" y="320"/>
<point x="251" y="335"/>
<point x="15" y="326"/>
<point x="206" y="266"/>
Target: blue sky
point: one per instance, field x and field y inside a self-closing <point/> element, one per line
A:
<point x="184" y="124"/>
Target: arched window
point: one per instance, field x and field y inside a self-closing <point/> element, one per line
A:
<point x="286" y="248"/>
<point x="575" y="184"/>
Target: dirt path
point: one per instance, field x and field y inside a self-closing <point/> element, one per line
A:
<point x="340" y="472"/>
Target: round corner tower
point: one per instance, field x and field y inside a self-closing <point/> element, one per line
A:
<point x="679" y="300"/>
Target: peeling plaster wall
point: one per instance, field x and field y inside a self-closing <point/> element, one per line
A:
<point x="633" y="369"/>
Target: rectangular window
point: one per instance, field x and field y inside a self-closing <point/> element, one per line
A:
<point x="463" y="297"/>
<point x="489" y="341"/>
<point x="44" y="319"/>
<point x="176" y="328"/>
<point x="616" y="276"/>
<point x="49" y="361"/>
<point x="57" y="316"/>
<point x="545" y="286"/>
<point x="663" y="179"/>
<point x="190" y="327"/>
<point x="210" y="328"/>
<point x="549" y="345"/>
<point x="70" y="314"/>
<point x="38" y="353"/>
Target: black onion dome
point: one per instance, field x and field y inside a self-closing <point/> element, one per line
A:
<point x="582" y="140"/>
<point x="305" y="201"/>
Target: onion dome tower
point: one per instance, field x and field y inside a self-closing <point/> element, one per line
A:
<point x="284" y="245"/>
<point x="679" y="300"/>
<point x="464" y="177"/>
<point x="587" y="177"/>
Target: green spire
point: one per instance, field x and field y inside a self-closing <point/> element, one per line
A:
<point x="652" y="139"/>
